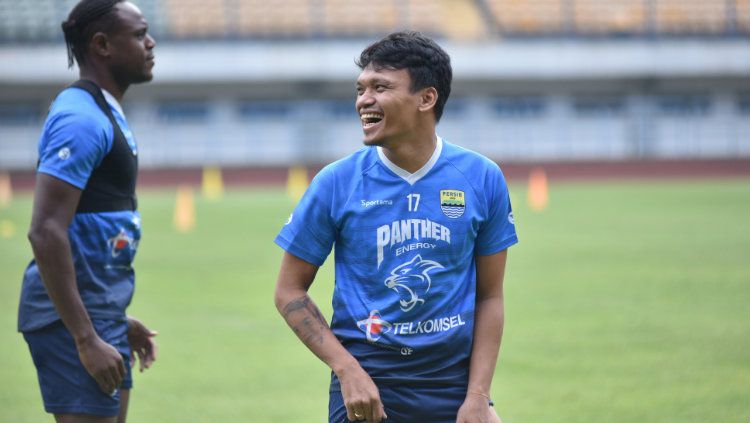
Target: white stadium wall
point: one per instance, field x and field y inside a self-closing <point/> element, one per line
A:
<point x="262" y="103"/>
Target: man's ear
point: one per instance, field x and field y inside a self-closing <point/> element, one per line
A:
<point x="428" y="99"/>
<point x="99" y="45"/>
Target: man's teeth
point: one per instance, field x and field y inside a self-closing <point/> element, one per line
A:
<point x="370" y="119"/>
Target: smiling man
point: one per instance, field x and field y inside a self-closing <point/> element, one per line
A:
<point x="85" y="227"/>
<point x="421" y="229"/>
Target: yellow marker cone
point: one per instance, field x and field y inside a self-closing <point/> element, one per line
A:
<point x="213" y="184"/>
<point x="6" y="190"/>
<point x="184" y="209"/>
<point x="296" y="182"/>
<point x="7" y="229"/>
<point x="538" y="195"/>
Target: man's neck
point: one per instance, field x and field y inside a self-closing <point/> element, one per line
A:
<point x="413" y="154"/>
<point x="105" y="81"/>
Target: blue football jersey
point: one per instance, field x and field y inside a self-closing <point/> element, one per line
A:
<point x="75" y="139"/>
<point x="405" y="245"/>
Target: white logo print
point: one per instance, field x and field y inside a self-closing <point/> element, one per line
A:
<point x="371" y="203"/>
<point x="511" y="219"/>
<point x="288" y="221"/>
<point x="120" y="242"/>
<point x="374" y="326"/>
<point x="412" y="280"/>
<point x="64" y="153"/>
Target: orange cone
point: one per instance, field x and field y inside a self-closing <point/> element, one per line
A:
<point x="184" y="209"/>
<point x="538" y="195"/>
<point x="6" y="190"/>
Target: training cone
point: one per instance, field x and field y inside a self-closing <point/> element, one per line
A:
<point x="296" y="182"/>
<point x="213" y="184"/>
<point x="538" y="196"/>
<point x="6" y="190"/>
<point x="184" y="209"/>
<point x="7" y="228"/>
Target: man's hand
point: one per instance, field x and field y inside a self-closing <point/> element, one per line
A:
<point x="361" y="396"/>
<point x="141" y="343"/>
<point x="476" y="409"/>
<point x="103" y="362"/>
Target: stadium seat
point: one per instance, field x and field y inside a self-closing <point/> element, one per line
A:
<point x="528" y="17"/>
<point x="462" y="19"/>
<point x="742" y="9"/>
<point x="690" y="16"/>
<point x="608" y="17"/>
<point x="277" y="18"/>
<point x="37" y="20"/>
<point x="196" y="18"/>
<point x="459" y="19"/>
<point x="358" y="18"/>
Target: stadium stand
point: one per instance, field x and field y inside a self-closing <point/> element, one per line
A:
<point x="534" y="79"/>
<point x="602" y="17"/>
<point x="357" y="17"/>
<point x="742" y="14"/>
<point x="40" y="19"/>
<point x="197" y="18"/>
<point x="458" y="19"/>
<point x="528" y="17"/>
<point x="278" y="18"/>
<point x="691" y="16"/>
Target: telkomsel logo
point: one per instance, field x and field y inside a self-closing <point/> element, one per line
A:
<point x="120" y="242"/>
<point x="374" y="326"/>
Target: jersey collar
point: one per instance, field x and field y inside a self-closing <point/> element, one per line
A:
<point x="412" y="178"/>
<point x="113" y="102"/>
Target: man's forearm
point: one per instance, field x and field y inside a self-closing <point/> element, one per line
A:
<point x="53" y="256"/>
<point x="303" y="316"/>
<point x="306" y="320"/>
<point x="488" y="331"/>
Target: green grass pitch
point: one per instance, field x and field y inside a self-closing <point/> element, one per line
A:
<point x="624" y="302"/>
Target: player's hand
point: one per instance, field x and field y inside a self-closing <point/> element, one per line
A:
<point x="103" y="362"/>
<point x="361" y="396"/>
<point x="476" y="409"/>
<point x="141" y="343"/>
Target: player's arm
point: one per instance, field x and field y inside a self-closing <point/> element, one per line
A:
<point x="55" y="203"/>
<point x="488" y="331"/>
<point x="360" y="394"/>
<point x="142" y="344"/>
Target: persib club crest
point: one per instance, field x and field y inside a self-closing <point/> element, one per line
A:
<point x="452" y="203"/>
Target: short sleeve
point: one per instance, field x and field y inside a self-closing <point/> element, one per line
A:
<point x="498" y="231"/>
<point x="72" y="146"/>
<point x="310" y="231"/>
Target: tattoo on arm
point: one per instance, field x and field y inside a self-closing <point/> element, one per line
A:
<point x="310" y="328"/>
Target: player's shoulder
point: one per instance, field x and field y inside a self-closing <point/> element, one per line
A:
<point x="468" y="161"/>
<point x="76" y="107"/>
<point x="352" y="166"/>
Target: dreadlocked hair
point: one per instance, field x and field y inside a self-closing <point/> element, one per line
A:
<point x="86" y="19"/>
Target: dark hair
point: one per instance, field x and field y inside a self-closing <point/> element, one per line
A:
<point x="86" y="19"/>
<point x="427" y="63"/>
